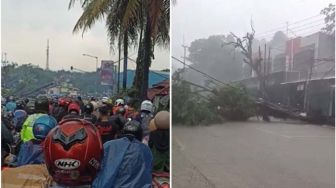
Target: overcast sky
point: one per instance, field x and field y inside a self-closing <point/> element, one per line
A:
<point x="26" y="26"/>
<point x="196" y="19"/>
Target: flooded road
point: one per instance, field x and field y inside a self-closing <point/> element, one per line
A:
<point x="254" y="155"/>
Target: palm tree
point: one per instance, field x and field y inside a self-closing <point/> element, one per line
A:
<point x="125" y="21"/>
<point x="114" y="11"/>
<point x="154" y="27"/>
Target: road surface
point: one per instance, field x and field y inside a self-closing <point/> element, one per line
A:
<point x="253" y="155"/>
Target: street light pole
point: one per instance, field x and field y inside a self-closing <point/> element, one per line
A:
<point x="96" y="69"/>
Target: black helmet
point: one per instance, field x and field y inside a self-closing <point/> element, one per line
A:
<point x="26" y="100"/>
<point x="103" y="110"/>
<point x="88" y="108"/>
<point x="42" y="104"/>
<point x="20" y="104"/>
<point x="132" y="129"/>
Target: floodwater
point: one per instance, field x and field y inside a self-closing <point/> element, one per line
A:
<point x="254" y="155"/>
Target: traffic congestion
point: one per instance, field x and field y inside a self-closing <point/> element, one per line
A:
<point x="91" y="142"/>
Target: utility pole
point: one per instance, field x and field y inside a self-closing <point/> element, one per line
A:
<point x="305" y="100"/>
<point x="270" y="64"/>
<point x="287" y="58"/>
<point x="265" y="62"/>
<point x="47" y="62"/>
<point x="97" y="73"/>
<point x="265" y="66"/>
<point x="184" y="55"/>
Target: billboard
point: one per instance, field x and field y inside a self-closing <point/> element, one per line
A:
<point x="106" y="73"/>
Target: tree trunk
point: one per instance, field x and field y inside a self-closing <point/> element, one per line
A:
<point x="147" y="58"/>
<point x="119" y="59"/>
<point x="125" y="60"/>
<point x="139" y="66"/>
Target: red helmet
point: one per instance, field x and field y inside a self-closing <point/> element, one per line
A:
<point x="73" y="151"/>
<point x="74" y="107"/>
<point x="61" y="102"/>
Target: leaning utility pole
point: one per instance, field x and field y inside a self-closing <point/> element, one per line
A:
<point x="47" y="62"/>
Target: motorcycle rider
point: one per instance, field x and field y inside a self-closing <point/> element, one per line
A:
<point x="11" y="104"/>
<point x="73" y="111"/>
<point x="61" y="109"/>
<point x="118" y="104"/>
<point x="74" y="145"/>
<point x="87" y="113"/>
<point x="126" y="162"/>
<point x="41" y="108"/>
<point x="159" y="142"/>
<point x="31" y="152"/>
<point x="108" y="126"/>
<point x="145" y="116"/>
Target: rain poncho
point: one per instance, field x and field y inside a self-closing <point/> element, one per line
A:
<point x="30" y="153"/>
<point x="27" y="127"/>
<point x="126" y="163"/>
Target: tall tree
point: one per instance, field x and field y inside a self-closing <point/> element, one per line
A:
<point x="131" y="17"/>
<point x="155" y="27"/>
<point x="329" y="19"/>
<point x="115" y="12"/>
<point x="245" y="44"/>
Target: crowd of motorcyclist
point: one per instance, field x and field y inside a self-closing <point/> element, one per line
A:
<point x="85" y="143"/>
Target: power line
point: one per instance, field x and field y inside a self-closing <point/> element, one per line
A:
<point x="310" y="23"/>
<point x="284" y="25"/>
<point x="305" y="28"/>
<point x="295" y="29"/>
<point x="305" y="19"/>
<point x="132" y="60"/>
<point x="309" y="32"/>
<point x="204" y="74"/>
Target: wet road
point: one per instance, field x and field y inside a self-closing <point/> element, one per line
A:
<point x="254" y="155"/>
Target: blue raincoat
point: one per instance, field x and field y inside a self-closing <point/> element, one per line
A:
<point x="125" y="163"/>
<point x="30" y="153"/>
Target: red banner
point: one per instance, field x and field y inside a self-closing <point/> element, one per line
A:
<point x="106" y="72"/>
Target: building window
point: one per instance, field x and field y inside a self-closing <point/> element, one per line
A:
<point x="300" y="87"/>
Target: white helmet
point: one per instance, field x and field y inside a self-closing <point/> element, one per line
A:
<point x="119" y="102"/>
<point x="147" y="105"/>
<point x="105" y="99"/>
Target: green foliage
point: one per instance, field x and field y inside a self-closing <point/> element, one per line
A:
<point x="234" y="103"/>
<point x="190" y="108"/>
<point x="329" y="19"/>
<point x="133" y="21"/>
<point x="17" y="80"/>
